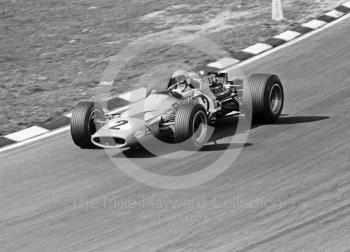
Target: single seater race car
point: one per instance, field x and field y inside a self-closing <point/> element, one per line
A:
<point x="179" y="112"/>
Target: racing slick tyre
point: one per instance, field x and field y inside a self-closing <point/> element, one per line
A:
<point x="265" y="98"/>
<point x="191" y="126"/>
<point x="84" y="123"/>
<point x="161" y="84"/>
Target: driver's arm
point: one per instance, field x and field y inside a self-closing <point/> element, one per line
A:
<point x="176" y="94"/>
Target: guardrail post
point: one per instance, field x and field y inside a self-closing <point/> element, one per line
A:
<point x="277" y="10"/>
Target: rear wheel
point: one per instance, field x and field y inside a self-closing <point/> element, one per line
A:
<point x="85" y="121"/>
<point x="191" y="126"/>
<point x="265" y="98"/>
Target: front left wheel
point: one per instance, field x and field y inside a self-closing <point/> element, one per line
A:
<point x="84" y="123"/>
<point x="191" y="126"/>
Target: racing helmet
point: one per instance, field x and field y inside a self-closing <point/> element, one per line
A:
<point x="181" y="77"/>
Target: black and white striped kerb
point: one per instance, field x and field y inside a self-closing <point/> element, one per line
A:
<point x="237" y="57"/>
<point x="293" y="33"/>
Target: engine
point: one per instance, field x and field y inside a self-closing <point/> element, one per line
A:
<point x="221" y="93"/>
<point x="226" y="94"/>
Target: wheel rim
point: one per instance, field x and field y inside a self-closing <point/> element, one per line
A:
<point x="199" y="127"/>
<point x="275" y="98"/>
<point x="94" y="119"/>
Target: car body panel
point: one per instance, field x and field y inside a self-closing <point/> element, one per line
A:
<point x="140" y="118"/>
<point x="143" y="117"/>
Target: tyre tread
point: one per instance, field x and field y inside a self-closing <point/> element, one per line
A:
<point x="78" y="123"/>
<point x="257" y="84"/>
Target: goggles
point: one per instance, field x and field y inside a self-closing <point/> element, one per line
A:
<point x="180" y="80"/>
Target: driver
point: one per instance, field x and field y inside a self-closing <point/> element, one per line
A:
<point x="181" y="83"/>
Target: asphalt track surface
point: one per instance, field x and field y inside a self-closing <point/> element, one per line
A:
<point x="289" y="190"/>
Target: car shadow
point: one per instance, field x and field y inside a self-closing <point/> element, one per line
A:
<point x="225" y="127"/>
<point x="300" y="119"/>
<point x="136" y="152"/>
<point x="140" y="152"/>
<point x="223" y="146"/>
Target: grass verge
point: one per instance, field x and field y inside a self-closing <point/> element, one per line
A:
<point x="52" y="53"/>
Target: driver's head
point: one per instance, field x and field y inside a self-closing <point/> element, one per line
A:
<point x="181" y="77"/>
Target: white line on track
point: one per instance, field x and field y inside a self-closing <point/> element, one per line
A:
<point x="246" y="62"/>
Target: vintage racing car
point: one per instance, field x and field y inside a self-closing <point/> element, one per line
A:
<point x="179" y="111"/>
